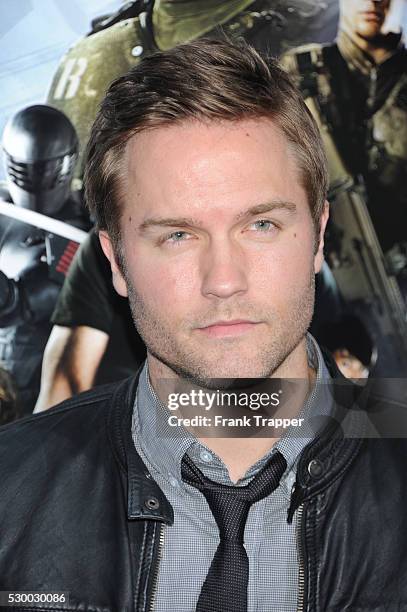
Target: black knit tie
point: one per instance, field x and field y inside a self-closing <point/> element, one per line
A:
<point x="225" y="586"/>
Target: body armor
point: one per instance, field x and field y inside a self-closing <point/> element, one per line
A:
<point x="33" y="265"/>
<point x="388" y="137"/>
<point x="118" y="41"/>
<point x="369" y="127"/>
<point x="40" y="146"/>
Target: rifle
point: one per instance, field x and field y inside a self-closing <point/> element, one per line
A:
<point x="359" y="267"/>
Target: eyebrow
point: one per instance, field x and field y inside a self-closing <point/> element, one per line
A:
<point x="259" y="209"/>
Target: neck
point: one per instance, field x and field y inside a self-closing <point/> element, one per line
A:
<point x="377" y="49"/>
<point x="239" y="454"/>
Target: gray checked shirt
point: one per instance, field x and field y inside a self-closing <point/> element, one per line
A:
<point x="190" y="543"/>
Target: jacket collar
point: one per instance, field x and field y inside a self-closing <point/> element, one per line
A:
<point x="338" y="443"/>
<point x="145" y="499"/>
<point x="320" y="462"/>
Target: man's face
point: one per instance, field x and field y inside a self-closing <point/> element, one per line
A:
<point x="364" y="17"/>
<point x="219" y="245"/>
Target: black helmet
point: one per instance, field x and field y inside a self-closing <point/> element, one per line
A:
<point x="41" y="146"/>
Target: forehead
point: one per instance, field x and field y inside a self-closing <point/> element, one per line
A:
<point x="200" y="166"/>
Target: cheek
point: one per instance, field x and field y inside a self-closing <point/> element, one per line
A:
<point x="286" y="268"/>
<point x="163" y="280"/>
<point x="349" y="12"/>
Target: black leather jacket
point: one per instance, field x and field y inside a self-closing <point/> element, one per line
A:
<point x="80" y="513"/>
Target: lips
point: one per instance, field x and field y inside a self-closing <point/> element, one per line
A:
<point x="372" y="15"/>
<point x="234" y="327"/>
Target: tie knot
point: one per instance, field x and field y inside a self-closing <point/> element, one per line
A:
<point x="230" y="505"/>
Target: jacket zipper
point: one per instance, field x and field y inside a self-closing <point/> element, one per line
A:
<point x="153" y="597"/>
<point x="301" y="572"/>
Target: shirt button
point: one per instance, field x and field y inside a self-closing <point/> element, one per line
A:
<point x="205" y="456"/>
<point x="173" y="481"/>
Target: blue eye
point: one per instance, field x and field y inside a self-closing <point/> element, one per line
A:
<point x="175" y="237"/>
<point x="263" y="225"/>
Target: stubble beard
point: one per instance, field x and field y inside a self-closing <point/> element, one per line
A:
<point x="187" y="360"/>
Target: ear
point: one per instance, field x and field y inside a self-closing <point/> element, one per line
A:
<point x="118" y="279"/>
<point x="319" y="255"/>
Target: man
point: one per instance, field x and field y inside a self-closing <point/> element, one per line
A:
<point x="83" y="347"/>
<point x="217" y="251"/>
<point x="357" y="89"/>
<point x="40" y="147"/>
<point x="366" y="72"/>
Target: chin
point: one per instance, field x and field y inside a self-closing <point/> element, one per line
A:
<point x="224" y="383"/>
<point x="369" y="32"/>
<point x="217" y="375"/>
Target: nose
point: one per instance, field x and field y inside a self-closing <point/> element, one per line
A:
<point x="223" y="270"/>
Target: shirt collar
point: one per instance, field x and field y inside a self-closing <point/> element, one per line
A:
<point x="164" y="446"/>
<point x="319" y="405"/>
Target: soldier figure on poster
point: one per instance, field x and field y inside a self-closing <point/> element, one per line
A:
<point x="40" y="147"/>
<point x="357" y="90"/>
